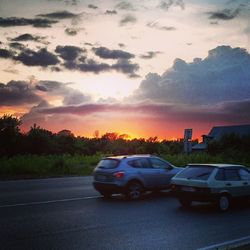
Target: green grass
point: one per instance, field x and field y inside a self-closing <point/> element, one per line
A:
<point x="35" y="166"/>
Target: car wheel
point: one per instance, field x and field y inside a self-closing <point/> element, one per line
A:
<point x="106" y="195"/>
<point x="134" y="190"/>
<point x="185" y="203"/>
<point x="223" y="203"/>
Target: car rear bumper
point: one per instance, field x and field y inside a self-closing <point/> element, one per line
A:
<point x="201" y="195"/>
<point x="192" y="196"/>
<point x="108" y="187"/>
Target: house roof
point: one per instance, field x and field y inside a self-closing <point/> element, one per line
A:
<point x="217" y="132"/>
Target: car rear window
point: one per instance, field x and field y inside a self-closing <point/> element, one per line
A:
<point x="196" y="172"/>
<point x="108" y="163"/>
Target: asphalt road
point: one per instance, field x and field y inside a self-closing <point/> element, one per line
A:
<point x="67" y="213"/>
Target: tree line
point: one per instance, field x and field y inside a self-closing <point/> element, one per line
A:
<point x="41" y="141"/>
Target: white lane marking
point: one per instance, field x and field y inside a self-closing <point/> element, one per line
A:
<point x="228" y="244"/>
<point x="52" y="201"/>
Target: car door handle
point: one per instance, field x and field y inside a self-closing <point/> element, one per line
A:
<point x="245" y="183"/>
<point x="228" y="184"/>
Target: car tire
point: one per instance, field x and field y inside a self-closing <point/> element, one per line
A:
<point x="185" y="202"/>
<point x="106" y="195"/>
<point x="223" y="202"/>
<point x="134" y="190"/>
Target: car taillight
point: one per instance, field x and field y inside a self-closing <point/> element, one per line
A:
<point x="119" y="175"/>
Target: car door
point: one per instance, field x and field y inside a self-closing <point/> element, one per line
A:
<point x="144" y="171"/>
<point x="163" y="173"/>
<point x="245" y="181"/>
<point x="233" y="182"/>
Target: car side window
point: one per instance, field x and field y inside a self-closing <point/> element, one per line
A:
<point x="156" y="163"/>
<point x="231" y="175"/>
<point x="139" y="163"/>
<point x="244" y="175"/>
<point x="220" y="175"/>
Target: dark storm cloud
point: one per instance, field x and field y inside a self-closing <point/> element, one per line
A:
<point x="27" y="37"/>
<point x="224" y="112"/>
<point x="17" y="46"/>
<point x="70" y="96"/>
<point x="110" y="12"/>
<point x="92" y="6"/>
<point x="150" y="54"/>
<point x="4" y="53"/>
<point x="225" y="14"/>
<point x="41" y="57"/>
<point x="59" y="15"/>
<point x="128" y="19"/>
<point x="121" y="45"/>
<point x="222" y="76"/>
<point x="17" y="93"/>
<point x="166" y="5"/>
<point x="15" y="21"/>
<point x="125" y="6"/>
<point x="125" y="66"/>
<point x="69" y="53"/>
<point x="156" y="25"/>
<point x="71" y="31"/>
<point x="94" y="67"/>
<point x="106" y="53"/>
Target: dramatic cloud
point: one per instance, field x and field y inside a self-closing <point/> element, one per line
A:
<point x="69" y="53"/>
<point x="27" y="37"/>
<point x="17" y="93"/>
<point x="121" y="45"/>
<point x="4" y="53"/>
<point x="125" y="66"/>
<point x="40" y="58"/>
<point x="15" y="21"/>
<point x="70" y="96"/>
<point x="17" y="46"/>
<point x="74" y="58"/>
<point x="59" y="15"/>
<point x="225" y="112"/>
<point x="165" y="5"/>
<point x="128" y="19"/>
<point x="94" y="67"/>
<point x="150" y="54"/>
<point x="106" y="53"/>
<point x="110" y="12"/>
<point x="92" y="6"/>
<point x="156" y="25"/>
<point x="226" y="14"/>
<point x="222" y="76"/>
<point x="71" y="31"/>
<point x="125" y="6"/>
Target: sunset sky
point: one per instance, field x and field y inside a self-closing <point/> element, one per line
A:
<point x="143" y="68"/>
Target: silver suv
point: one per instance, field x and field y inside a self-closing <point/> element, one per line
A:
<point x="132" y="175"/>
<point x="216" y="183"/>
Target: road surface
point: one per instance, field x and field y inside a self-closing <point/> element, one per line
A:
<point x="67" y="213"/>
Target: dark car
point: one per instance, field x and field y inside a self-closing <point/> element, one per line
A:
<point x="132" y="175"/>
<point x="217" y="183"/>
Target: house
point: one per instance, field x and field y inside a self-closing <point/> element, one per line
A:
<point x="217" y="132"/>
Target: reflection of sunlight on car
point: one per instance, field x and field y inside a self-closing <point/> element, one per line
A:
<point x="132" y="175"/>
<point x="216" y="183"/>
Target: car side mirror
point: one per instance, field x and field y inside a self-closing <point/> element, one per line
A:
<point x="168" y="167"/>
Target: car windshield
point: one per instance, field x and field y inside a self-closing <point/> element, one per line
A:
<point x="196" y="172"/>
<point x="108" y="163"/>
